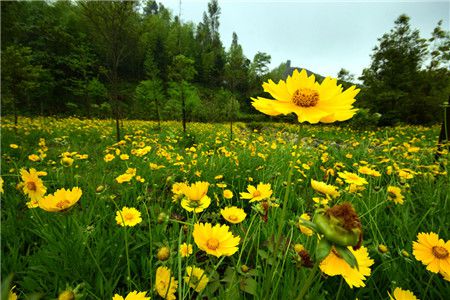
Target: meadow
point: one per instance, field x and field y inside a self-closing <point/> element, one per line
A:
<point x="261" y="187"/>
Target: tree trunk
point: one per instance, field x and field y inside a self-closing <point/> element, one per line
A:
<point x="158" y="114"/>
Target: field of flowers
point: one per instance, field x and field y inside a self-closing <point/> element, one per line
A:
<point x="267" y="215"/>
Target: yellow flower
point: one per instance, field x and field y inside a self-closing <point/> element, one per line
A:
<point x="13" y="146"/>
<point x="432" y="252"/>
<point x="1" y="185"/>
<point x="334" y="265"/>
<point x="395" y="194"/>
<point x="66" y="161"/>
<point x="155" y="166"/>
<point x="233" y="214"/>
<point x="61" y="200"/>
<point x="261" y="192"/>
<point x="352" y="178"/>
<point x="324" y="188"/>
<point x="108" y="157"/>
<point x="185" y="250"/>
<point x="124" y="178"/>
<point x="310" y="101"/>
<point x="305" y="230"/>
<point x="217" y="240"/>
<point x="368" y="171"/>
<point x="12" y="295"/>
<point x="34" y="157"/>
<point x="66" y="295"/>
<point x="32" y="185"/>
<point x="163" y="253"/>
<point x="166" y="285"/>
<point x="400" y="294"/>
<point x="227" y="194"/>
<point x="196" y="199"/>
<point x="132" y="296"/>
<point x="124" y="157"/>
<point x="196" y="278"/>
<point x="218" y="177"/>
<point x="128" y="216"/>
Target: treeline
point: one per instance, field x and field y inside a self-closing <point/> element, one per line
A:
<point x="135" y="59"/>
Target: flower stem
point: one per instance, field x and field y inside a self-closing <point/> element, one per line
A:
<point x="128" y="259"/>
<point x="308" y="282"/>
<point x="340" y="288"/>
<point x="428" y="286"/>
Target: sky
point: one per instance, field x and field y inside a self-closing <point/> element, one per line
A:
<point x="321" y="36"/>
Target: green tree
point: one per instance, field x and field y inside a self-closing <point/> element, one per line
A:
<point x="181" y="72"/>
<point x="393" y="79"/>
<point x="148" y="95"/>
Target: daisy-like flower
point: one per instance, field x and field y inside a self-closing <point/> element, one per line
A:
<point x="195" y="198"/>
<point x="128" y="216"/>
<point x="217" y="240"/>
<point x="32" y="185"/>
<point x="166" y="285"/>
<point x="334" y="265"/>
<point x="132" y="296"/>
<point x="1" y="185"/>
<point x="432" y="252"/>
<point x="108" y="157"/>
<point x="352" y="178"/>
<point x="227" y="194"/>
<point x="400" y="294"/>
<point x="395" y="194"/>
<point x="233" y="214"/>
<point x="260" y="192"/>
<point x="185" y="250"/>
<point x="368" y="171"/>
<point x="324" y="188"/>
<point x="305" y="230"/>
<point x="310" y="101"/>
<point x="61" y="200"/>
<point x="124" y="178"/>
<point x="196" y="278"/>
<point x="177" y="190"/>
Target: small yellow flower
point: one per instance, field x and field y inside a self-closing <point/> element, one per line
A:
<point x="66" y="161"/>
<point x="227" y="194"/>
<point x="400" y="294"/>
<point x="1" y="185"/>
<point x="61" y="200"/>
<point x="185" y="250"/>
<point x="128" y="217"/>
<point x="66" y="295"/>
<point x="305" y="230"/>
<point x="352" y="178"/>
<point x="218" y="177"/>
<point x="395" y="194"/>
<point x="217" y="240"/>
<point x="196" y="199"/>
<point x="124" y="157"/>
<point x="233" y="214"/>
<point x="124" y="178"/>
<point x="196" y="278"/>
<point x="382" y="248"/>
<point x="132" y="296"/>
<point x="166" y="285"/>
<point x="108" y="157"/>
<point x="261" y="192"/>
<point x="34" y="157"/>
<point x="432" y="252"/>
<point x="368" y="171"/>
<point x="13" y="146"/>
<point x="324" y="188"/>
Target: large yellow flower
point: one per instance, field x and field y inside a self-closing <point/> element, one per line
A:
<point x="400" y="294"/>
<point x="334" y="265"/>
<point x="61" y="200"/>
<point x="32" y="185"/>
<point x="217" y="240"/>
<point x="352" y="178"/>
<point x="166" y="285"/>
<point x="196" y="278"/>
<point x="128" y="216"/>
<point x="132" y="296"/>
<point x="233" y="214"/>
<point x="310" y="101"/>
<point x="261" y="192"/>
<point x="433" y="252"/>
<point x="324" y="188"/>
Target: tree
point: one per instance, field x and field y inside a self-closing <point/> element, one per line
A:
<point x="19" y="77"/>
<point x="393" y="79"/>
<point x="181" y="72"/>
<point x="148" y="95"/>
<point x="345" y="75"/>
<point x="260" y="64"/>
<point x="113" y="23"/>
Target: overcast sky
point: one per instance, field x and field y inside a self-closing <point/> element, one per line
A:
<point x="322" y="36"/>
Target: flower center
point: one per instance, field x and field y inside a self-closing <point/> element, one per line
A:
<point x="212" y="243"/>
<point x="232" y="217"/>
<point x="256" y="194"/>
<point x="31" y="186"/>
<point x="305" y="97"/>
<point x="128" y="217"/>
<point x="62" y="204"/>
<point x="440" y="252"/>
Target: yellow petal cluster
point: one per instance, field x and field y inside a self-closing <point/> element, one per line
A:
<point x="217" y="240"/>
<point x="61" y="200"/>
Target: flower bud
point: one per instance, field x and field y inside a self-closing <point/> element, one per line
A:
<point x="163" y="253"/>
<point x="382" y="248"/>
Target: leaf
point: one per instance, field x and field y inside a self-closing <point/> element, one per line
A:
<point x="323" y="249"/>
<point x="308" y="224"/>
<point x="249" y="285"/>
<point x="348" y="256"/>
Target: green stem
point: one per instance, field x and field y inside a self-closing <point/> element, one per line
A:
<point x="428" y="286"/>
<point x="340" y="288"/>
<point x="309" y="281"/>
<point x="128" y="259"/>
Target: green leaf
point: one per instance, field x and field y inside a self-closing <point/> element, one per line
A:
<point x="347" y="255"/>
<point x="323" y="249"/>
<point x="249" y="285"/>
<point x="308" y="224"/>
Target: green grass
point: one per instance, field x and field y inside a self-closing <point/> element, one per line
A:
<point x="84" y="248"/>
